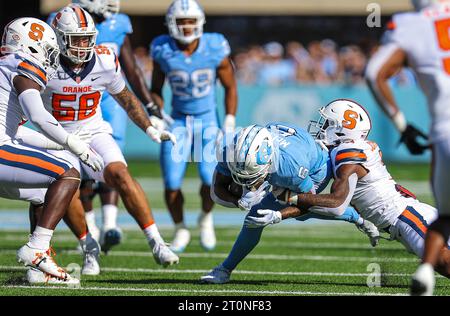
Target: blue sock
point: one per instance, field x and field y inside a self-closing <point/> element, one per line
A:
<point x="350" y="215"/>
<point x="247" y="240"/>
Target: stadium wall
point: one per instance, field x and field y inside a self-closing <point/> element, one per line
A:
<point x="299" y="104"/>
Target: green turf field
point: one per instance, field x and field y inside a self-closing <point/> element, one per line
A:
<point x="297" y="259"/>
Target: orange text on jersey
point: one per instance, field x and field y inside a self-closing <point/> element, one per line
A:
<point x="77" y="89"/>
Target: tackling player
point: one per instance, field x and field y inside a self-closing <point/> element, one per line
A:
<point x="284" y="157"/>
<point x="362" y="180"/>
<point x="29" y="57"/>
<point x="73" y="97"/>
<point x="191" y="61"/>
<point x="422" y="40"/>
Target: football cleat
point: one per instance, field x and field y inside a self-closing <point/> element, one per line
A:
<point x="423" y="281"/>
<point x="207" y="234"/>
<point x="164" y="256"/>
<point x="109" y="238"/>
<point x="371" y="231"/>
<point x="35" y="276"/>
<point x="181" y="240"/>
<point x="91" y="256"/>
<point x="41" y="260"/>
<point x="218" y="275"/>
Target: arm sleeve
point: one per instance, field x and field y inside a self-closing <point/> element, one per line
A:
<point x="31" y="103"/>
<point x="30" y="137"/>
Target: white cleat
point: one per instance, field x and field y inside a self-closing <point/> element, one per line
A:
<point x="91" y="260"/>
<point x="181" y="240"/>
<point x="41" y="260"/>
<point x="218" y="275"/>
<point x="164" y="256"/>
<point x="35" y="276"/>
<point x="423" y="281"/>
<point x="207" y="234"/>
<point x="371" y="231"/>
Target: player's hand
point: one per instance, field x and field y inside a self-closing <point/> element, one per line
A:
<point x="83" y="151"/>
<point x="157" y="122"/>
<point x="252" y="198"/>
<point x="229" y="123"/>
<point x="159" y="136"/>
<point x="154" y="110"/>
<point x="410" y="137"/>
<point x="83" y="134"/>
<point x="269" y="217"/>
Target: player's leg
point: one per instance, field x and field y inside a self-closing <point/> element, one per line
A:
<point x="246" y="241"/>
<point x="87" y="194"/>
<point x="438" y="233"/>
<point x="117" y="117"/>
<point x="206" y="167"/>
<point x="174" y="160"/>
<point x="116" y="175"/>
<point x="25" y="167"/>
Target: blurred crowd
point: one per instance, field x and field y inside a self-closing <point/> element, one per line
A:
<point x="319" y="62"/>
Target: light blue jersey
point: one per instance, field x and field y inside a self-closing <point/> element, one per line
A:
<point x="112" y="33"/>
<point x="192" y="78"/>
<point x="300" y="164"/>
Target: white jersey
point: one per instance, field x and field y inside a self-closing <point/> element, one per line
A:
<point x="11" y="113"/>
<point x="377" y="196"/>
<point x="425" y="38"/>
<point x="74" y="98"/>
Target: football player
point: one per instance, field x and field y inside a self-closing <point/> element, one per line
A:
<point x="191" y="61"/>
<point x="114" y="31"/>
<point x="74" y="96"/>
<point x="421" y="39"/>
<point x="361" y="178"/>
<point x="280" y="157"/>
<point x="30" y="56"/>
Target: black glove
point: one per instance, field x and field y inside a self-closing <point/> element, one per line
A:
<point x="410" y="138"/>
<point x="154" y="109"/>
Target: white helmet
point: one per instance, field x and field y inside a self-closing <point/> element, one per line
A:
<point x="74" y="22"/>
<point x="185" y="9"/>
<point x="420" y="4"/>
<point x="251" y="156"/>
<point x="102" y="8"/>
<point x="341" y="120"/>
<point x="35" y="39"/>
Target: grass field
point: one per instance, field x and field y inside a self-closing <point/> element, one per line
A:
<point x="291" y="259"/>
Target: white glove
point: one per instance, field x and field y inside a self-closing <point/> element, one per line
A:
<point x="269" y="218"/>
<point x="86" y="154"/>
<point x="251" y="198"/>
<point x="229" y="123"/>
<point x="157" y="123"/>
<point x="159" y="136"/>
<point x="83" y="134"/>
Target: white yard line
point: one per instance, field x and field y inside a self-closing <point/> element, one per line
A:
<point x="209" y="291"/>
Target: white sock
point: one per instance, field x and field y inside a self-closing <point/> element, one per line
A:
<point x="109" y="216"/>
<point x="180" y="225"/>
<point x="90" y="220"/>
<point x="152" y="234"/>
<point x="40" y="239"/>
<point x="205" y="219"/>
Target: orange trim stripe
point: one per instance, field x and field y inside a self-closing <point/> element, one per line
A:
<point x="31" y="161"/>
<point x="80" y="15"/>
<point x="391" y="25"/>
<point x="148" y="224"/>
<point x="351" y="155"/>
<point x="415" y="220"/>
<point x="34" y="70"/>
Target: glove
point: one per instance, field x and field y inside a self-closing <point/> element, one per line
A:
<point x="154" y="110"/>
<point x="410" y="136"/>
<point x="159" y="136"/>
<point x="157" y="123"/>
<point x="83" y="134"/>
<point x="252" y="198"/>
<point x="269" y="218"/>
<point x="229" y="123"/>
<point x="83" y="151"/>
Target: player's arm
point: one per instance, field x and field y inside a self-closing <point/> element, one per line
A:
<point x="33" y="138"/>
<point x="220" y="192"/>
<point x="158" y="78"/>
<point x="225" y="73"/>
<point x="136" y="78"/>
<point x="385" y="63"/>
<point x="130" y="103"/>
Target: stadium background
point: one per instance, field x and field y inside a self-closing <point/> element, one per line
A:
<point x="292" y="56"/>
